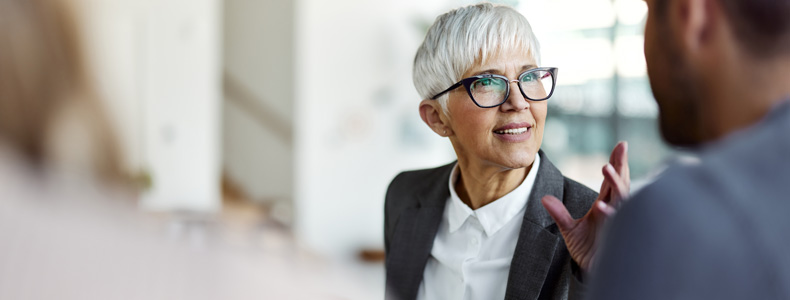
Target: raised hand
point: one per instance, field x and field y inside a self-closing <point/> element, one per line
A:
<point x="582" y="235"/>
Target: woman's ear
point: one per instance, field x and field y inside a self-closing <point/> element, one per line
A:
<point x="432" y="114"/>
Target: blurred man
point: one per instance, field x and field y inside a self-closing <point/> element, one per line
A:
<point x="720" y="72"/>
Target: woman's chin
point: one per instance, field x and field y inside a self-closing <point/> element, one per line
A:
<point x="518" y="161"/>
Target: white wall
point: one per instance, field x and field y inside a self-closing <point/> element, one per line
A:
<point x="258" y="56"/>
<point x="339" y="72"/>
<point x="356" y="116"/>
<point x="113" y="34"/>
<point x="157" y="63"/>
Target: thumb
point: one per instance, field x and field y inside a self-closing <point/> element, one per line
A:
<point x="558" y="212"/>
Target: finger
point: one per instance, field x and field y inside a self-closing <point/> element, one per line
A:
<point x="619" y="190"/>
<point x="604" y="208"/>
<point x="605" y="190"/>
<point x="558" y="212"/>
<point x="623" y="169"/>
<point x="617" y="153"/>
<point x="616" y="160"/>
<point x="619" y="160"/>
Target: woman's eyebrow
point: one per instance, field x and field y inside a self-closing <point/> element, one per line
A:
<point x="528" y="67"/>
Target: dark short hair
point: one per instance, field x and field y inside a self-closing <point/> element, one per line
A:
<point x="763" y="26"/>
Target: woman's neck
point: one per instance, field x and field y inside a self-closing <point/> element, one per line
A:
<point x="478" y="186"/>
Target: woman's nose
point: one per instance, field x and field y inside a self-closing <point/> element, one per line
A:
<point x="516" y="100"/>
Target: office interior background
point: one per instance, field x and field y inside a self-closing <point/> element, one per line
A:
<point x="288" y="119"/>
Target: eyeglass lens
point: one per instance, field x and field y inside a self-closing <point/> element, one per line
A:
<point x="492" y="91"/>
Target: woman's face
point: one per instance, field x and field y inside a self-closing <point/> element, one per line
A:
<point x="507" y="136"/>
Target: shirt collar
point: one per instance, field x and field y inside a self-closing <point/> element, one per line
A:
<point x="496" y="214"/>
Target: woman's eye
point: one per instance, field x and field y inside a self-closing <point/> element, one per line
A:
<point x="528" y="77"/>
<point x="486" y="82"/>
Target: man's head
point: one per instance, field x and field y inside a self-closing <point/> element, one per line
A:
<point x="713" y="63"/>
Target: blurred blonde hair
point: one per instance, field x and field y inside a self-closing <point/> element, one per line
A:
<point x="49" y="112"/>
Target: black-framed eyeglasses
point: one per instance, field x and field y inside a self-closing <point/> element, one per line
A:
<point x="490" y="90"/>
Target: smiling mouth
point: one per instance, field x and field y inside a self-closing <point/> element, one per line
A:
<point x="514" y="131"/>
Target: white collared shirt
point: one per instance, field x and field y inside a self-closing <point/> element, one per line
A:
<point x="472" y="250"/>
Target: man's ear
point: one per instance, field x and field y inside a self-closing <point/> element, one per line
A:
<point x="695" y="22"/>
<point x="432" y="114"/>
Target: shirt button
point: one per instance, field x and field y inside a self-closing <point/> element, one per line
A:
<point x="474" y="241"/>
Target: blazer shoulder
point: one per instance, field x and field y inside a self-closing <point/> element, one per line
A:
<point x="577" y="197"/>
<point x="405" y="184"/>
<point x="402" y="194"/>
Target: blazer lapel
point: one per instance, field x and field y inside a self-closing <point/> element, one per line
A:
<point x="536" y="246"/>
<point x="413" y="237"/>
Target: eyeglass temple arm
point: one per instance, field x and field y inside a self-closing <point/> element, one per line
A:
<point x="454" y="86"/>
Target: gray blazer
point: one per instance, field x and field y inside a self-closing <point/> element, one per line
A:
<point x="541" y="267"/>
<point x="717" y="230"/>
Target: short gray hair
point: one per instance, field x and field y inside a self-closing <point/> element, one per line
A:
<point x="463" y="36"/>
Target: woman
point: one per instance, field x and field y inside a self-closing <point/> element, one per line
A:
<point x="474" y="229"/>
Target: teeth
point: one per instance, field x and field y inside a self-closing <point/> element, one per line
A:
<point x="512" y="131"/>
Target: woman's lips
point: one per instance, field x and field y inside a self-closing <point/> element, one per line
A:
<point x="519" y="130"/>
<point x="513" y="126"/>
<point x="514" y="132"/>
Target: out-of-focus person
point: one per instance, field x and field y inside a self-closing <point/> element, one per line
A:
<point x="720" y="73"/>
<point x="68" y="227"/>
<point x="475" y="228"/>
<point x="49" y="113"/>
